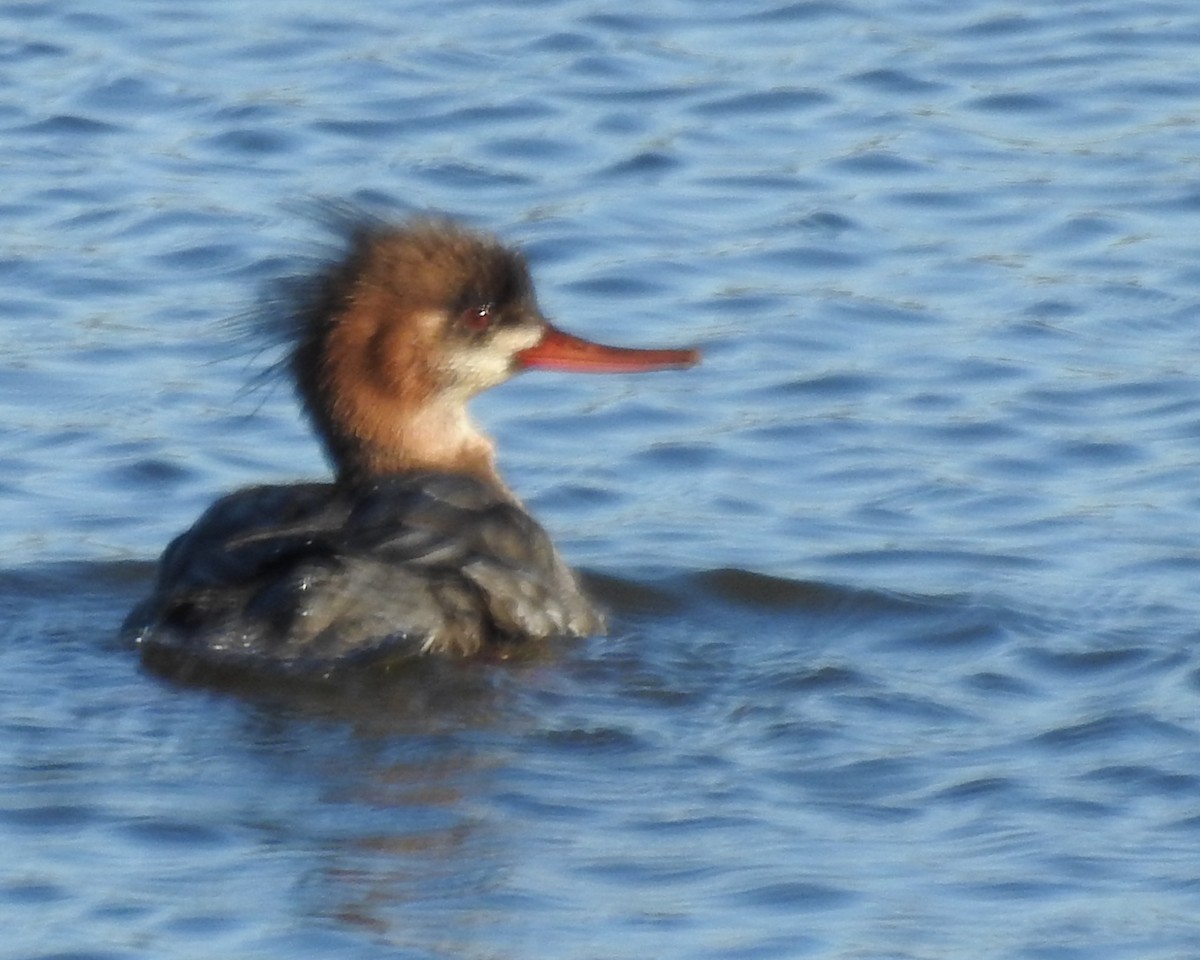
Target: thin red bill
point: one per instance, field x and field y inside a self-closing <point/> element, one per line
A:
<point x="563" y="352"/>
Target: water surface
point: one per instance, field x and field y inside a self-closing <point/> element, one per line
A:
<point x="902" y="579"/>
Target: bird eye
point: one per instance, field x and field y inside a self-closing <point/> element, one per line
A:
<point x="478" y="318"/>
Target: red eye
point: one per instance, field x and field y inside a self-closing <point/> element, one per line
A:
<point x="478" y="318"/>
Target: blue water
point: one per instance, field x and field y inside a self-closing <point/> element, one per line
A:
<point x="902" y="579"/>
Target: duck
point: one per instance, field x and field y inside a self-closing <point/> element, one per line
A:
<point x="415" y="547"/>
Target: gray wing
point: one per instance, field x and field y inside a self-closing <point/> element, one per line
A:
<point x="300" y="578"/>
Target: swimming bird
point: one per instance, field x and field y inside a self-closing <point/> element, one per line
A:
<point x="416" y="546"/>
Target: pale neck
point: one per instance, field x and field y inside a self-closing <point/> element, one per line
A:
<point x="437" y="437"/>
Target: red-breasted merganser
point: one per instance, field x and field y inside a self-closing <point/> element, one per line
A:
<point x="417" y="546"/>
